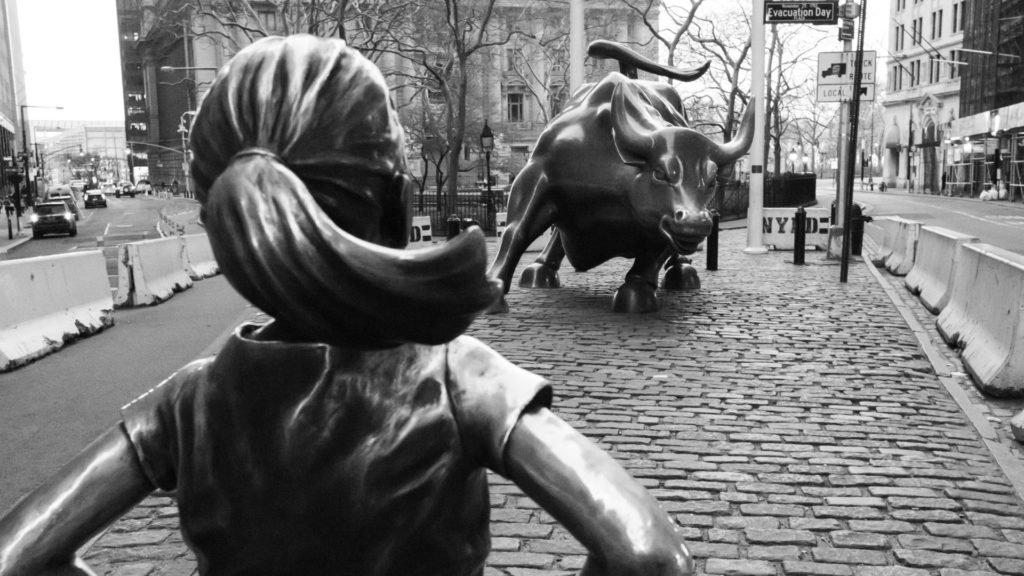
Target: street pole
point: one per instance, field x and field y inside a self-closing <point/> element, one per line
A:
<point x="490" y="195"/>
<point x="844" y="173"/>
<point x="755" y="206"/>
<point x="854" y="116"/>
<point x="576" y="40"/>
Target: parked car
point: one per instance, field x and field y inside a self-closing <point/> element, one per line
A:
<point x="50" y="217"/>
<point x="143" y="187"/>
<point x="95" y="199"/>
<point x="63" y="195"/>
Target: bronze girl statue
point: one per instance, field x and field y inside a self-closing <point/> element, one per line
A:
<point x="351" y="434"/>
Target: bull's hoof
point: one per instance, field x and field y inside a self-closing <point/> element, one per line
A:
<point x="539" y="275"/>
<point x="681" y="277"/>
<point x="635" y="297"/>
<point x="500" y="306"/>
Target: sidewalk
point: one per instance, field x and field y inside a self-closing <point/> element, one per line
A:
<point x="13" y="238"/>
<point x="791" y="425"/>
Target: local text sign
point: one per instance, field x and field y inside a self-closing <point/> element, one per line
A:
<point x="844" y="93"/>
<point x="801" y="12"/>
<point x="837" y="67"/>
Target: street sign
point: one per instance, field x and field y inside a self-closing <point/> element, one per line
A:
<point x="837" y="68"/>
<point x="801" y="12"/>
<point x="846" y="30"/>
<point x="844" y="92"/>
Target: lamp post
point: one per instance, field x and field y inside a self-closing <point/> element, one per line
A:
<point x="487" y="144"/>
<point x="24" y="151"/>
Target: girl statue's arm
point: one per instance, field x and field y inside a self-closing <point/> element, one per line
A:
<point x="42" y="533"/>
<point x="609" y="512"/>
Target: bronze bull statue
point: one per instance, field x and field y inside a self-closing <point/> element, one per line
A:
<point x="618" y="173"/>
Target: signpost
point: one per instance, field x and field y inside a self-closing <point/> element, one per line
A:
<point x="823" y="13"/>
<point x="837" y="67"/>
<point x="844" y="92"/>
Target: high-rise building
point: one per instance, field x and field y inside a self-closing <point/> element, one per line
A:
<point x="987" y="142"/>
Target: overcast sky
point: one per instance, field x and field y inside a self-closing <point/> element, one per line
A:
<point x="71" y="55"/>
<point x="70" y="52"/>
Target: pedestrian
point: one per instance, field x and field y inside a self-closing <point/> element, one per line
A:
<point x="351" y="434"/>
<point x="174" y="187"/>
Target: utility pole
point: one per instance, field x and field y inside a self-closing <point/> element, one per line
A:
<point x="835" y="231"/>
<point x="755" y="207"/>
<point x="576" y="44"/>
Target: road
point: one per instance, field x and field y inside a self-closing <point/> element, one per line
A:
<point x="124" y="220"/>
<point x="997" y="223"/>
<point x="52" y="408"/>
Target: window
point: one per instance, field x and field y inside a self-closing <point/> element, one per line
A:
<point x="901" y="37"/>
<point x="933" y="70"/>
<point x="938" y="31"/>
<point x="954" y="68"/>
<point x="136" y="97"/>
<point x="510" y="59"/>
<point x="136" y="110"/>
<point x="268" y="18"/>
<point x="956" y="17"/>
<point x="933" y="25"/>
<point x="515" y="106"/>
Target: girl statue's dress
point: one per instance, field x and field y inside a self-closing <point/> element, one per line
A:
<point x="351" y="434"/>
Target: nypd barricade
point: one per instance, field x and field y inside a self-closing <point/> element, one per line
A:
<point x="777" y="226"/>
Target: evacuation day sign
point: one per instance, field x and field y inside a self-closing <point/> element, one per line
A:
<point x="801" y="12"/>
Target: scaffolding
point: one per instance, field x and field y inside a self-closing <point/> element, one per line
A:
<point x="1016" y="179"/>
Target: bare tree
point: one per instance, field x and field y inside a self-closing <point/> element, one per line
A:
<point x="680" y="16"/>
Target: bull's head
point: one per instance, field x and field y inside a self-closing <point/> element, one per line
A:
<point x="676" y="166"/>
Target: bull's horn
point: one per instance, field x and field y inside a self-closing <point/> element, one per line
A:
<point x="738" y="146"/>
<point x="632" y="123"/>
<point x="630" y="61"/>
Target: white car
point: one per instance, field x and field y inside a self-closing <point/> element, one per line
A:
<point x="143" y="187"/>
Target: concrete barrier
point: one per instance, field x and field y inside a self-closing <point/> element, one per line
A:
<point x="50" y="300"/>
<point x="198" y="257"/>
<point x="883" y="232"/>
<point x="985" y="317"/>
<point x="779" y="233"/>
<point x="150" y="272"/>
<point x="938" y="251"/>
<point x="536" y="246"/>
<point x="904" y="247"/>
<point x="421" y="234"/>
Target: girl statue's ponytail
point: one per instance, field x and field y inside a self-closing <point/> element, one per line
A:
<point x="300" y="167"/>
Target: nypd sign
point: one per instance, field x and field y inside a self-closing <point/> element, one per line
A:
<point x="801" y="12"/>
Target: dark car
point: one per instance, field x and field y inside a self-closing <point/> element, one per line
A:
<point x="53" y="217"/>
<point x="95" y="199"/>
<point x="67" y="198"/>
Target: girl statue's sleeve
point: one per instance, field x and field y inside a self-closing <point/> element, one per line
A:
<point x="489" y="394"/>
<point x="152" y="428"/>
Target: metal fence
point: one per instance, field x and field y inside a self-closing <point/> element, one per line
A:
<point x="730" y="201"/>
<point x="470" y="204"/>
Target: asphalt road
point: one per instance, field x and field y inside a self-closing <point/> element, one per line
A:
<point x="52" y="408"/>
<point x="997" y="223"/>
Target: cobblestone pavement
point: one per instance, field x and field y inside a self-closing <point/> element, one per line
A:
<point x="790" y="423"/>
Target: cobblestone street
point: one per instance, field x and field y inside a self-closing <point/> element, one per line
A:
<point x="791" y="424"/>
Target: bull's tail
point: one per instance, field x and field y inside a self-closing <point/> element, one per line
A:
<point x="630" y="61"/>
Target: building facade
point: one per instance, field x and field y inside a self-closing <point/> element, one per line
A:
<point x="11" y="93"/>
<point x="987" y="142"/>
<point x="923" y="92"/>
<point x="517" y="87"/>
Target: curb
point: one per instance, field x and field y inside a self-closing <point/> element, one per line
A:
<point x="1006" y="460"/>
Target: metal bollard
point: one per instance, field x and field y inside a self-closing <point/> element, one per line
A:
<point x="799" y="235"/>
<point x="712" y="245"/>
<point x="454" y="226"/>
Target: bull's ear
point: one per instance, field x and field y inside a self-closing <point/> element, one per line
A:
<point x="634" y="122"/>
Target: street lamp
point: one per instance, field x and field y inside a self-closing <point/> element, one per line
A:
<point x="24" y="151"/>
<point x="487" y="144"/>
